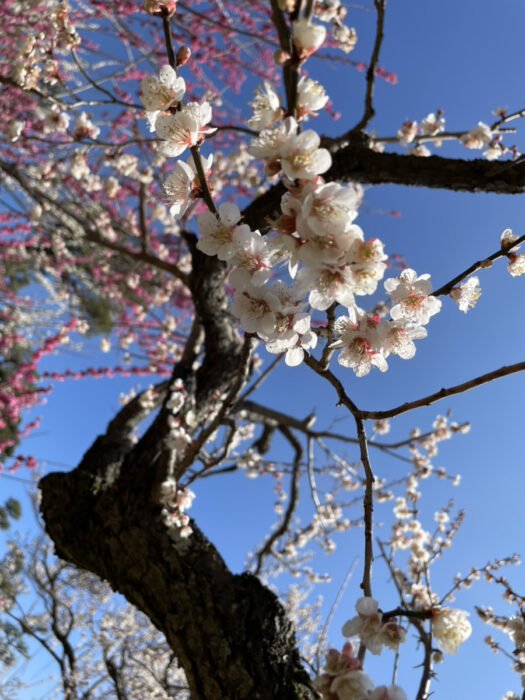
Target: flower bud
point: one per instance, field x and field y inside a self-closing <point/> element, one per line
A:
<point x="183" y="55"/>
<point x="281" y="57"/>
<point x="160" y="8"/>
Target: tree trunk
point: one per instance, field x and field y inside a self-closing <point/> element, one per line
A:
<point x="229" y="632"/>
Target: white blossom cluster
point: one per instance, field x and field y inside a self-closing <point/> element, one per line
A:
<point x="35" y="60"/>
<point x="450" y="628"/>
<point x="334" y="12"/>
<point x="328" y="257"/>
<point x="181" y="127"/>
<point x="430" y="128"/>
<point x="315" y="232"/>
<point x="372" y="630"/>
<point x="343" y="679"/>
<point x="516" y="264"/>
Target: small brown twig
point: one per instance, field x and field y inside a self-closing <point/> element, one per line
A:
<point x="443" y="393"/>
<point x="292" y="503"/>
<point x="368" y="507"/>
<point x="480" y="264"/>
<point x="369" y="110"/>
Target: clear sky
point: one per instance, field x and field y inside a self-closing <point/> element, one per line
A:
<point x="466" y="58"/>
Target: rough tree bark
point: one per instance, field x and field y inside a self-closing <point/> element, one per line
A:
<point x="229" y="632"/>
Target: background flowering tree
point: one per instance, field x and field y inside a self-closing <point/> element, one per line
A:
<point x="118" y="226"/>
<point x="99" y="647"/>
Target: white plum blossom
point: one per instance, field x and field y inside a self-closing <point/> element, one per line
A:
<point x="328" y="10"/>
<point x="84" y="127"/>
<point x="307" y="37"/>
<point x="178" y="438"/>
<point x="178" y="186"/>
<point x="266" y="107"/>
<point x="181" y="182"/>
<point x="301" y="157"/>
<point x="419" y="150"/>
<point x="516" y="264"/>
<point x="466" y="294"/>
<point x="253" y="259"/>
<point x="432" y="124"/>
<point x="291" y="332"/>
<point x="477" y="137"/>
<point x="391" y="692"/>
<point x="397" y="338"/>
<point x="303" y="339"/>
<point x="255" y="307"/>
<point x="159" y="94"/>
<point x="326" y="285"/>
<point x="352" y="685"/>
<point x="315" y="232"/>
<point x="450" y="628"/>
<point x="183" y="129"/>
<point x="330" y="209"/>
<point x="495" y="150"/>
<point x="56" y="120"/>
<point x="346" y="37"/>
<point x="358" y="341"/>
<point x="508" y="238"/>
<point x="270" y="140"/>
<point x="412" y="298"/>
<point x="311" y="97"/>
<point x="78" y="165"/>
<point x="368" y="625"/>
<point x="407" y="132"/>
<point x="367" y="261"/>
<point x="217" y="232"/>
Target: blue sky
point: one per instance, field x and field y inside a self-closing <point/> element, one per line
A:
<point x="466" y="59"/>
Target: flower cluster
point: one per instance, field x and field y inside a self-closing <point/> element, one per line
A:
<point x="36" y="56"/>
<point x="516" y="264"/>
<point x="372" y="630"/>
<point x="343" y="679"/>
<point x="328" y="257"/>
<point x="181" y="126"/>
<point x="450" y="628"/>
<point x="334" y="12"/>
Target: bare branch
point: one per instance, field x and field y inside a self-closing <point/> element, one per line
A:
<point x="480" y="264"/>
<point x="369" y="110"/>
<point x="292" y="501"/>
<point x="443" y="393"/>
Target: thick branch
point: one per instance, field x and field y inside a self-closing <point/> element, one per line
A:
<point x="356" y="162"/>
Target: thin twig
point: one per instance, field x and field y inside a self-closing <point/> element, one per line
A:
<point x="260" y="379"/>
<point x="369" y="110"/>
<point x="480" y="264"/>
<point x="292" y="503"/>
<point x="368" y="507"/>
<point x="333" y="608"/>
<point x="169" y="45"/>
<point x="344" y="399"/>
<point x="443" y="393"/>
<point x="313" y="485"/>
